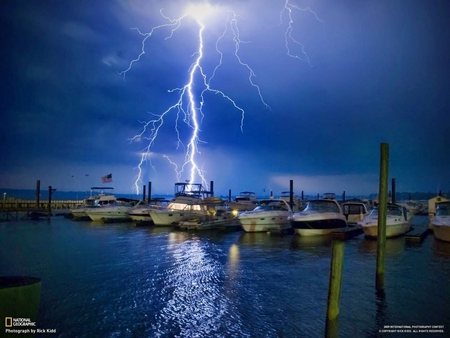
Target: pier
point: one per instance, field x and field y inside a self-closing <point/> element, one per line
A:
<point x="12" y="207"/>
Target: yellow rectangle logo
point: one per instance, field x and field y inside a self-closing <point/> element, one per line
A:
<point x="8" y="321"/>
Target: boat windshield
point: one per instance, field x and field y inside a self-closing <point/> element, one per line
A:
<point x="443" y="209"/>
<point x="270" y="206"/>
<point x="322" y="206"/>
<point x="389" y="212"/>
<point x="183" y="206"/>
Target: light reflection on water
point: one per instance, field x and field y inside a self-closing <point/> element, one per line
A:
<point x="121" y="281"/>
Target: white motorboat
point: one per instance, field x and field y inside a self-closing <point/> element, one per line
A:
<point x="398" y="221"/>
<point x="320" y="217"/>
<point x="245" y="201"/>
<point x="413" y="207"/>
<point x="188" y="197"/>
<point x="112" y="213"/>
<point x="214" y="214"/>
<point x="140" y="213"/>
<point x="297" y="204"/>
<point x="355" y="211"/>
<point x="270" y="214"/>
<point x="95" y="200"/>
<point x="441" y="222"/>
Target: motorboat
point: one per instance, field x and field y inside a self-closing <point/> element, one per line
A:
<point x="413" y="207"/>
<point x="297" y="204"/>
<point x="398" y="221"/>
<point x="115" y="212"/>
<point x="270" y="214"/>
<point x="214" y="213"/>
<point x="355" y="211"/>
<point x="187" y="203"/>
<point x="441" y="222"/>
<point x="95" y="200"/>
<point x="140" y="213"/>
<point x="320" y="217"/>
<point x="246" y="200"/>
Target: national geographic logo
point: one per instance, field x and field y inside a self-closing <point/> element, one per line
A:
<point x="8" y="321"/>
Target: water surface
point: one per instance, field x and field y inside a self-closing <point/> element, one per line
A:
<point x="118" y="280"/>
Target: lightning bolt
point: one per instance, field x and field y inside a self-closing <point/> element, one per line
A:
<point x="188" y="105"/>
<point x="288" y="38"/>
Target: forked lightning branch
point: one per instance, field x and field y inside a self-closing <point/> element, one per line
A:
<point x="187" y="106"/>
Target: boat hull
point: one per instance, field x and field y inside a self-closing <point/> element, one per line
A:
<point x="264" y="224"/>
<point x="392" y="230"/>
<point x="170" y="217"/>
<point x="105" y="214"/>
<point x="441" y="232"/>
<point x="319" y="227"/>
<point x="136" y="218"/>
<point x="206" y="223"/>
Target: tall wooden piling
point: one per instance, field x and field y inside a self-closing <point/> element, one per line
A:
<point x="49" y="206"/>
<point x="143" y="192"/>
<point x="291" y="194"/>
<point x="393" y="198"/>
<point x="211" y="188"/>
<point x="149" y="191"/>
<point x="38" y="193"/>
<point x="343" y="196"/>
<point x="229" y="195"/>
<point x="334" y="291"/>
<point x="382" y="210"/>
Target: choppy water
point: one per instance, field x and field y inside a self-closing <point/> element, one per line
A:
<point x="118" y="280"/>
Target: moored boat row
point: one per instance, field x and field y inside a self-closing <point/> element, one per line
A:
<point x="193" y="208"/>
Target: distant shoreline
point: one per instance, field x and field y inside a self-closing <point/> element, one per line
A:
<point x="30" y="194"/>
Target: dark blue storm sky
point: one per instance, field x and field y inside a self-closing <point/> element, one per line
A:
<point x="378" y="72"/>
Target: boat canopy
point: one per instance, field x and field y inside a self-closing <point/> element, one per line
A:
<point x="322" y="206"/>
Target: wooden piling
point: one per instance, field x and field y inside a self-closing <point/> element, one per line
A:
<point x="149" y="191"/>
<point x="229" y="195"/>
<point x="49" y="206"/>
<point x="291" y="194"/>
<point x="38" y="193"/>
<point x="334" y="291"/>
<point x="382" y="210"/>
<point x="143" y="193"/>
<point x="394" y="197"/>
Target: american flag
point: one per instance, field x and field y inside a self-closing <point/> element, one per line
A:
<point x="107" y="178"/>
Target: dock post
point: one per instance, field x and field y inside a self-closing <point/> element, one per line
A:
<point x="334" y="291"/>
<point x="4" y="206"/>
<point x="393" y="198"/>
<point x="211" y="188"/>
<point x="343" y="196"/>
<point x="303" y="195"/>
<point x="49" y="206"/>
<point x="149" y="191"/>
<point x="229" y="195"/>
<point x="291" y="194"/>
<point x="382" y="210"/>
<point x="38" y="193"/>
<point x="143" y="193"/>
